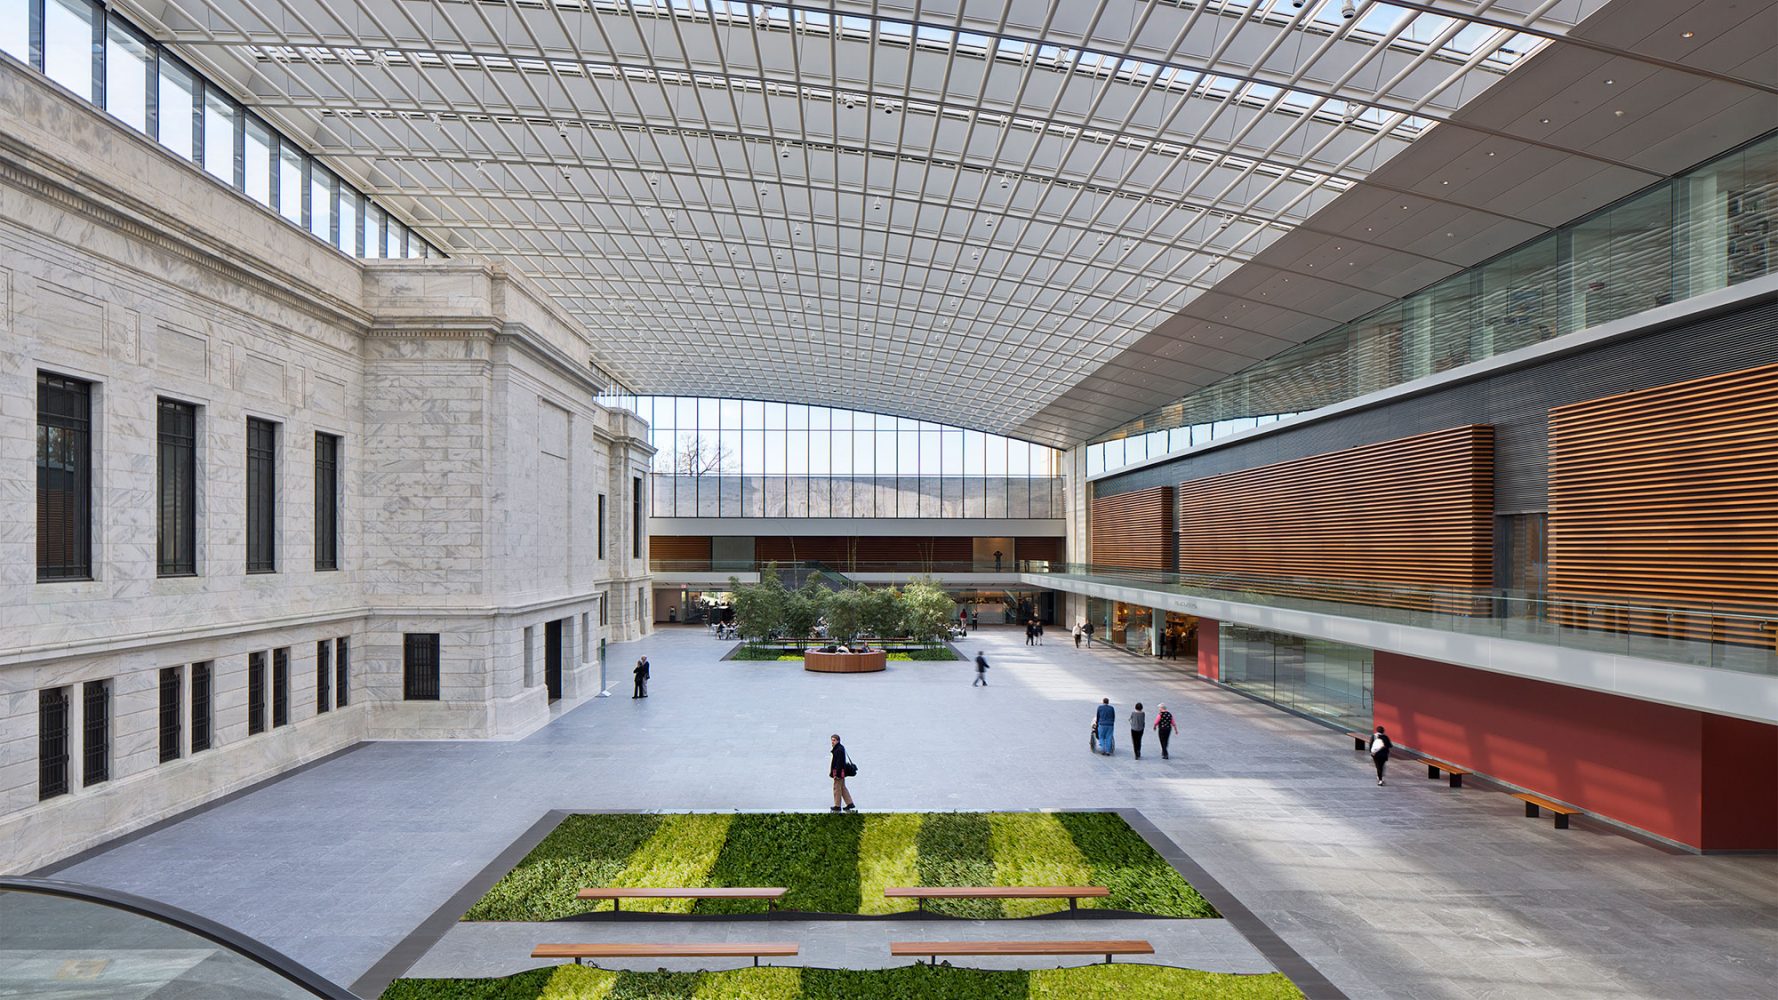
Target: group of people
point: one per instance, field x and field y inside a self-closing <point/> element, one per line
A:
<point x="1083" y="629"/>
<point x="1034" y="633"/>
<point x="1105" y="726"/>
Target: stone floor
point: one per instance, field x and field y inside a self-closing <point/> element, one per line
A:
<point x="1408" y="890"/>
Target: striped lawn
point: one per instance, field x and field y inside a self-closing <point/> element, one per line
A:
<point x="681" y="853"/>
<point x="887" y="855"/>
<point x="581" y="851"/>
<point x="814" y="855"/>
<point x="957" y="849"/>
<point x="1035" y="849"/>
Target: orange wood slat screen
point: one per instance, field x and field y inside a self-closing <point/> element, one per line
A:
<point x="1133" y="530"/>
<point x="1668" y="497"/>
<point x="1414" y="513"/>
<point x="679" y="548"/>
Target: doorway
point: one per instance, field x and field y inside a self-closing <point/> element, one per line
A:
<point x="552" y="658"/>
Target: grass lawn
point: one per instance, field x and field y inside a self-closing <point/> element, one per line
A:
<point x="1089" y="982"/>
<point x="840" y="863"/>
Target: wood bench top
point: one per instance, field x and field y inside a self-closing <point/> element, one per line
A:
<point x="1441" y="765"/>
<point x="997" y="891"/>
<point x="1555" y="807"/>
<point x="714" y="949"/>
<point x="644" y="892"/>
<point x="1020" y="948"/>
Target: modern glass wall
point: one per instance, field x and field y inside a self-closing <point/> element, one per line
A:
<point x="1710" y="228"/>
<point x="753" y="458"/>
<point x="1321" y="679"/>
<point x="100" y="56"/>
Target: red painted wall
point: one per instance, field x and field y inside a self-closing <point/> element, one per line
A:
<point x="1670" y="771"/>
<point x="1209" y="646"/>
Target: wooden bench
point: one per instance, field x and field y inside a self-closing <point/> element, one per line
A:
<point x="1534" y="802"/>
<point x="1360" y="741"/>
<point x="933" y="949"/>
<point x="726" y="949"/>
<point x="1072" y="893"/>
<point x="1433" y="767"/>
<point x="613" y="893"/>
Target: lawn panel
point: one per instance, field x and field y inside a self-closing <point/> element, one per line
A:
<point x="887" y="855"/>
<point x="526" y="985"/>
<point x="775" y="983"/>
<point x="681" y="853"/>
<point x="957" y="849"/>
<point x="1035" y="849"/>
<point x="814" y="855"/>
<point x="579" y="982"/>
<point x="656" y="986"/>
<point x="915" y="982"/>
<point x="581" y="851"/>
<point x="1138" y="877"/>
<point x="1127" y="981"/>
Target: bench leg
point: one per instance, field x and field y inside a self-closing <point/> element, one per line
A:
<point x="1531" y="810"/>
<point x="616" y="904"/>
<point x="1357" y="743"/>
<point x="756" y="961"/>
<point x="1431" y="771"/>
<point x="1073" y="905"/>
<point x="1108" y="960"/>
<point x="1561" y="821"/>
<point x="1456" y="780"/>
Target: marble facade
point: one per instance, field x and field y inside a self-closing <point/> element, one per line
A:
<point x="473" y="455"/>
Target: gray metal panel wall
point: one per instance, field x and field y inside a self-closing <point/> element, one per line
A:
<point x="1516" y="402"/>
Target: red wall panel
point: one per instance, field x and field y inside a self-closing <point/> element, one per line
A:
<point x="1210" y="649"/>
<point x="1740" y="796"/>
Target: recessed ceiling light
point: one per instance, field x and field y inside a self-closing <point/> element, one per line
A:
<point x="1546" y="121"/>
<point x="1687" y="34"/>
<point x="1450" y="234"/>
<point x="1610" y="82"/>
<point x="1620" y="114"/>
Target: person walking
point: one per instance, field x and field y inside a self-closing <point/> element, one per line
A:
<point x="1105" y="717"/>
<point x="981" y="669"/>
<point x="641" y="673"/>
<point x="1138" y="725"/>
<point x="1038" y="625"/>
<point x="1030" y="634"/>
<point x="1077" y="635"/>
<point x="1163" y="727"/>
<point x="839" y="768"/>
<point x="1381" y="744"/>
<point x="1088" y="629"/>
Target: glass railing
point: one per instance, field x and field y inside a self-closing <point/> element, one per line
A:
<point x="1730" y="637"/>
<point x="67" y="941"/>
<point x="901" y="567"/>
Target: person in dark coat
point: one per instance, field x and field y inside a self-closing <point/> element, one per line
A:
<point x="641" y="672"/>
<point x="836" y="769"/>
<point x="1105" y="718"/>
<point x="981" y="669"/>
<point x="1138" y="725"/>
<point x="1381" y="744"/>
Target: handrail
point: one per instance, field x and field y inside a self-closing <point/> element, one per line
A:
<point x="268" y="958"/>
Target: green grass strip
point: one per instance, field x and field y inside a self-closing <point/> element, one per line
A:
<point x="579" y="982"/>
<point x="915" y="982"/>
<point x="580" y="852"/>
<point x="887" y="855"/>
<point x="957" y="849"/>
<point x="661" y="985"/>
<point x="1127" y="982"/>
<point x="1035" y="849"/>
<point x="681" y="853"/>
<point x="776" y="983"/>
<point x="814" y="855"/>
<point x="1138" y="877"/>
<point x="527" y="985"/>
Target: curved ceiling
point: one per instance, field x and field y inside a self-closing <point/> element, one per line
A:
<point x="951" y="210"/>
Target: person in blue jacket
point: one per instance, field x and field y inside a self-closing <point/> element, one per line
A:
<point x="1106" y="720"/>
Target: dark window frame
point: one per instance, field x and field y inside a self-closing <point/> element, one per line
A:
<point x="420" y="666"/>
<point x="64" y="454"/>
<point x="323" y="677"/>
<point x="601" y="526"/>
<point x="327" y="501"/>
<point x="176" y="484"/>
<point x="201" y="708"/>
<point x="342" y="672"/>
<point x="95" y="733"/>
<point x="262" y="495"/>
<point x="52" y="742"/>
<point x="281" y="687"/>
<point x="636" y="517"/>
<point x="255" y="693"/>
<point x="171" y="720"/>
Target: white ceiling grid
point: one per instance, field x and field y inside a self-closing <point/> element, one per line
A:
<point x="949" y="210"/>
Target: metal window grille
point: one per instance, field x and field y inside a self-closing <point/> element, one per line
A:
<point x="342" y="672"/>
<point x="323" y="676"/>
<point x="52" y="742"/>
<point x="262" y="492"/>
<point x="200" y="707"/>
<point x="603" y="615"/>
<point x="169" y="714"/>
<point x="255" y="693"/>
<point x="64" y="478"/>
<point x="177" y="518"/>
<point x="327" y="503"/>
<point x="95" y="717"/>
<point x="419" y="666"/>
<point x="636" y="517"/>
<point x="280" y="687"/>
<point x="601" y="526"/>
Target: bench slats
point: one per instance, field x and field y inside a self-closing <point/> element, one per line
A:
<point x="755" y="950"/>
<point x="721" y="892"/>
<point x="933" y="949"/>
<point x="997" y="891"/>
<point x="1535" y="802"/>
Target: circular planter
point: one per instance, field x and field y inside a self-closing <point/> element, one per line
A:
<point x="845" y="663"/>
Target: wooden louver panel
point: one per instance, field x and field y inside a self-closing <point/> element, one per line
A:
<point x="1133" y="530"/>
<point x="670" y="549"/>
<point x="1668" y="497"/>
<point x="1393" y="521"/>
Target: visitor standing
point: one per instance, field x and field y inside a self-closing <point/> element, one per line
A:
<point x="963" y="621"/>
<point x="1038" y="625"/>
<point x="1076" y="635"/>
<point x="996" y="560"/>
<point x="1088" y="629"/>
<point x="641" y="673"/>
<point x="1030" y="634"/>
<point x="1138" y="725"/>
<point x="1105" y="718"/>
<point x="1163" y="727"/>
<point x="1381" y="744"/>
<point x="839" y="768"/>
<point x="981" y="669"/>
<point x="975" y="620"/>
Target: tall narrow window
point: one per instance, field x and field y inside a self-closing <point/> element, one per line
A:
<point x="177" y="519"/>
<point x="255" y="693"/>
<point x="601" y="526"/>
<point x="327" y="501"/>
<point x="419" y="666"/>
<point x="604" y="617"/>
<point x="342" y="671"/>
<point x="256" y="154"/>
<point x="200" y="706"/>
<point x="635" y="517"/>
<point x="170" y="717"/>
<point x="64" y="478"/>
<point x="322" y="191"/>
<point x="222" y="124"/>
<point x="129" y="70"/>
<point x="280" y="687"/>
<point x="68" y="51"/>
<point x="292" y="183"/>
<point x="95" y="725"/>
<point x="176" y="109"/>
<point x="52" y="742"/>
<point x="323" y="676"/>
<point x="262" y="496"/>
